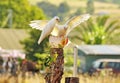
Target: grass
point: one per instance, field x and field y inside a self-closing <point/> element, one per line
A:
<point x="38" y="78"/>
<point x="20" y="79"/>
<point x="99" y="79"/>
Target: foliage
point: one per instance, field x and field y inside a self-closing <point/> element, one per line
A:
<point x="49" y="9"/>
<point x="22" y="13"/>
<point x="99" y="30"/>
<point x="90" y="6"/>
<point x="52" y="10"/>
<point x="69" y="61"/>
<point x="110" y="8"/>
<point x="43" y="60"/>
<point x="79" y="11"/>
<point x="63" y="10"/>
<point x="31" y="46"/>
<point x="68" y="58"/>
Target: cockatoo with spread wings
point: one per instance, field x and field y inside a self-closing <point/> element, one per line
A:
<point x="45" y="26"/>
<point x="52" y="26"/>
<point x="64" y="30"/>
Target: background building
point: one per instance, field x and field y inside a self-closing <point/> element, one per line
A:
<point x="90" y="53"/>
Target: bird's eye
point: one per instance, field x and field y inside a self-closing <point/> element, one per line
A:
<point x="57" y="19"/>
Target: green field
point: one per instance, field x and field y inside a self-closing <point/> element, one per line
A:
<point x="75" y="4"/>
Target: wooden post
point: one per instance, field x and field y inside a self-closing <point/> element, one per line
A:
<point x="54" y="75"/>
<point x="71" y="80"/>
<point x="56" y="67"/>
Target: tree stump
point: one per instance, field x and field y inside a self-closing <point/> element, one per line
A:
<point x="56" y="67"/>
<point x="71" y="80"/>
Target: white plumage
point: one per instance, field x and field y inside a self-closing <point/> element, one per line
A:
<point x="64" y="30"/>
<point x="59" y="30"/>
<point x="51" y="27"/>
<point x="46" y="27"/>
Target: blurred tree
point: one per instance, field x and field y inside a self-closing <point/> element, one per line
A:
<point x="22" y="13"/>
<point x="31" y="46"/>
<point x="52" y="10"/>
<point x="49" y="9"/>
<point x="90" y="6"/>
<point x="79" y="11"/>
<point x="63" y="10"/>
<point x="102" y="30"/>
<point x="43" y="60"/>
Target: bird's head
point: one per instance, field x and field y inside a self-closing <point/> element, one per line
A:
<point x="57" y="18"/>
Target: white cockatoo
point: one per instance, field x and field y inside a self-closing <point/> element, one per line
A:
<point x="52" y="26"/>
<point x="45" y="26"/>
<point x="64" y="30"/>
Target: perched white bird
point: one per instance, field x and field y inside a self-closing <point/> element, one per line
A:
<point x="52" y="27"/>
<point x="45" y="26"/>
<point x="64" y="30"/>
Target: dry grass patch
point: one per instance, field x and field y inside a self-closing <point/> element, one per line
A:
<point x="38" y="78"/>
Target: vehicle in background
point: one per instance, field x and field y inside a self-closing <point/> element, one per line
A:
<point x="106" y="65"/>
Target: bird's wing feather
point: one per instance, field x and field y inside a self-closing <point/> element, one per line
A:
<point x="75" y="21"/>
<point x="55" y="30"/>
<point x="38" y="24"/>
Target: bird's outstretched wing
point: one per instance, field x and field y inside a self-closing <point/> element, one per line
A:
<point x="38" y="24"/>
<point x="75" y="21"/>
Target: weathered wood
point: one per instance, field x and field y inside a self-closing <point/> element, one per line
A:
<point x="56" y="68"/>
<point x="71" y="80"/>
